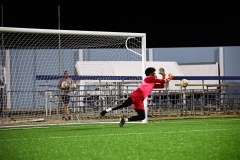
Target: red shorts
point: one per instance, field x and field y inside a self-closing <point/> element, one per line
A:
<point x="137" y="99"/>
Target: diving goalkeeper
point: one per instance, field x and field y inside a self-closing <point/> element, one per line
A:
<point x="137" y="97"/>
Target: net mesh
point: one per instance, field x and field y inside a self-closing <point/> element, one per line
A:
<point x="35" y="61"/>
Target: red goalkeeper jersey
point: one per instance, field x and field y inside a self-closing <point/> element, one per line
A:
<point x="144" y="90"/>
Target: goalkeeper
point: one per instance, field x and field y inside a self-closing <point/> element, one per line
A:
<point x="64" y="84"/>
<point x="137" y="97"/>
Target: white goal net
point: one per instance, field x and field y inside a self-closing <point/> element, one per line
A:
<point x="35" y="59"/>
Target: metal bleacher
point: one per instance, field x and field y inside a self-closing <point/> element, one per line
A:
<point x="224" y="99"/>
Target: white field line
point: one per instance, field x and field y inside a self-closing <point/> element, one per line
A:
<point x="99" y="123"/>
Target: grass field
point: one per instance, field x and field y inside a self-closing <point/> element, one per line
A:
<point x="189" y="139"/>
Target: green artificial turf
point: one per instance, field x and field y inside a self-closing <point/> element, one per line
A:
<point x="192" y="139"/>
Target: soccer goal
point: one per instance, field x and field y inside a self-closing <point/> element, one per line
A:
<point x="102" y="64"/>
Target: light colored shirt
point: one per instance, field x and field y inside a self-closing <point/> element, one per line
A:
<point x="69" y="82"/>
<point x="2" y="77"/>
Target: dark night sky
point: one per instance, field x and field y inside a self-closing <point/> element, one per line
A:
<point x="164" y="25"/>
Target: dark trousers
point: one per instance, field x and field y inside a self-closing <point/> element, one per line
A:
<point x="140" y="113"/>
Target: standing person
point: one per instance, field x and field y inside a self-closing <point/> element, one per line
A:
<point x="65" y="84"/>
<point x="2" y="95"/>
<point x="137" y="97"/>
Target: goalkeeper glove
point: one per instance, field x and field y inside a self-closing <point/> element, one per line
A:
<point x="161" y="71"/>
<point x="170" y="76"/>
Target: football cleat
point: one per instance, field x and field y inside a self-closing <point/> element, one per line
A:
<point x="122" y="121"/>
<point x="103" y="113"/>
<point x="65" y="118"/>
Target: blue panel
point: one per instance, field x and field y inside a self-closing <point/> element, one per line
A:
<point x="55" y="77"/>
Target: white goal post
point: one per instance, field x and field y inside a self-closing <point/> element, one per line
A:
<point x="34" y="60"/>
